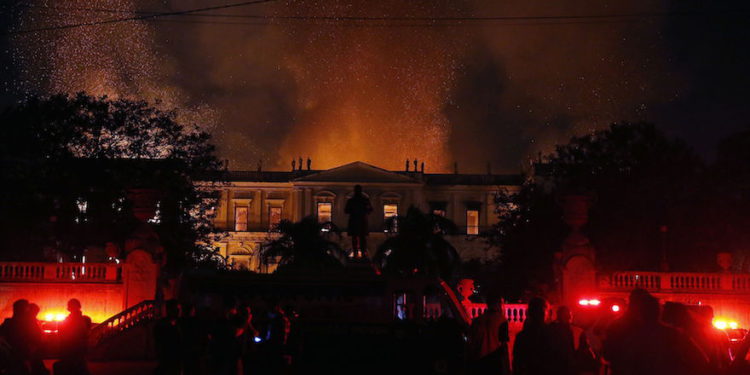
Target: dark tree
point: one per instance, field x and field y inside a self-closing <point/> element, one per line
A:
<point x="644" y="187"/>
<point x="61" y="151"/>
<point x="726" y="215"/>
<point x="304" y="246"/>
<point x="418" y="247"/>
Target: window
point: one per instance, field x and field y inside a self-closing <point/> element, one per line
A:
<point x="438" y="208"/>
<point x="274" y="217"/>
<point x="240" y="219"/>
<point x="325" y="213"/>
<point x="472" y="222"/>
<point x="390" y="210"/>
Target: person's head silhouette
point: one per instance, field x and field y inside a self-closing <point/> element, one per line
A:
<point x="74" y="305"/>
<point x="537" y="310"/>
<point x="564" y="315"/>
<point x="20" y="307"/>
<point x="643" y="306"/>
<point x="173" y="309"/>
<point x="358" y="190"/>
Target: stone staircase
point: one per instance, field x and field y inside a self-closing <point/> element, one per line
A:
<point x="126" y="335"/>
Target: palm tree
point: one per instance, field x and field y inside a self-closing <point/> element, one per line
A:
<point x="304" y="245"/>
<point x="419" y="246"/>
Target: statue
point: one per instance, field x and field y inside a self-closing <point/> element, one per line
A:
<point x="358" y="207"/>
<point x="309" y="163"/>
<point x="294" y="165"/>
<point x="300" y="163"/>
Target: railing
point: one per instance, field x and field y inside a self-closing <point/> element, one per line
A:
<point x="514" y="312"/>
<point x="61" y="272"/>
<point x="676" y="281"/>
<point x="142" y="313"/>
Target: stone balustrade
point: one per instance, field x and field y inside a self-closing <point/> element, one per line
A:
<point x="675" y="282"/>
<point x="60" y="272"/>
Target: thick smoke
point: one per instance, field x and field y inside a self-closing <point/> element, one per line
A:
<point x="274" y="89"/>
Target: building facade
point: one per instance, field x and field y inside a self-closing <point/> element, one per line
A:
<point x="254" y="202"/>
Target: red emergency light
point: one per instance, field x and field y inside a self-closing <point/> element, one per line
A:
<point x="589" y="302"/>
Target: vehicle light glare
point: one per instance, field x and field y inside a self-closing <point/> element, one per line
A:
<point x="616" y="308"/>
<point x="594" y="302"/>
<point x="583" y="302"/>
<point x="724" y="323"/>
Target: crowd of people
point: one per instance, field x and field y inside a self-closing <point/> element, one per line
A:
<point x="21" y="349"/>
<point x="647" y="339"/>
<point x="234" y="342"/>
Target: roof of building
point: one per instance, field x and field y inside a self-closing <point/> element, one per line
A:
<point x="363" y="172"/>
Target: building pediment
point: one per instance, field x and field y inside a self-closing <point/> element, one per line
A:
<point x="357" y="172"/>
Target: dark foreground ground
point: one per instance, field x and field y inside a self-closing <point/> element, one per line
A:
<point x="116" y="367"/>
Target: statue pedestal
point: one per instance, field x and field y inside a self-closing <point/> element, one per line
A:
<point x="578" y="256"/>
<point x="139" y="277"/>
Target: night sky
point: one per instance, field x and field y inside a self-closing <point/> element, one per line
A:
<point x="382" y="81"/>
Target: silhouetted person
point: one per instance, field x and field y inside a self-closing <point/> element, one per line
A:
<point x="194" y="341"/>
<point x="530" y="348"/>
<point x="276" y="338"/>
<point x="585" y="360"/>
<point x="226" y="342"/>
<point x="168" y="341"/>
<point x="16" y="333"/>
<point x="639" y="344"/>
<point x="712" y="342"/>
<point x="35" y="341"/>
<point x="358" y="207"/>
<point x="561" y="344"/>
<point x="489" y="341"/>
<point x="74" y="335"/>
<point x="248" y="337"/>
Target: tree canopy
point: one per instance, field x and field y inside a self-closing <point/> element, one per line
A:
<point x="418" y="247"/>
<point x="58" y="151"/>
<point x="303" y="246"/>
<point x="644" y="186"/>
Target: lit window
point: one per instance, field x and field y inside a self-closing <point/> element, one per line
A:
<point x="472" y="222"/>
<point x="390" y="211"/>
<point x="274" y="217"/>
<point x="324" y="212"/>
<point x="438" y="208"/>
<point x="240" y="219"/>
